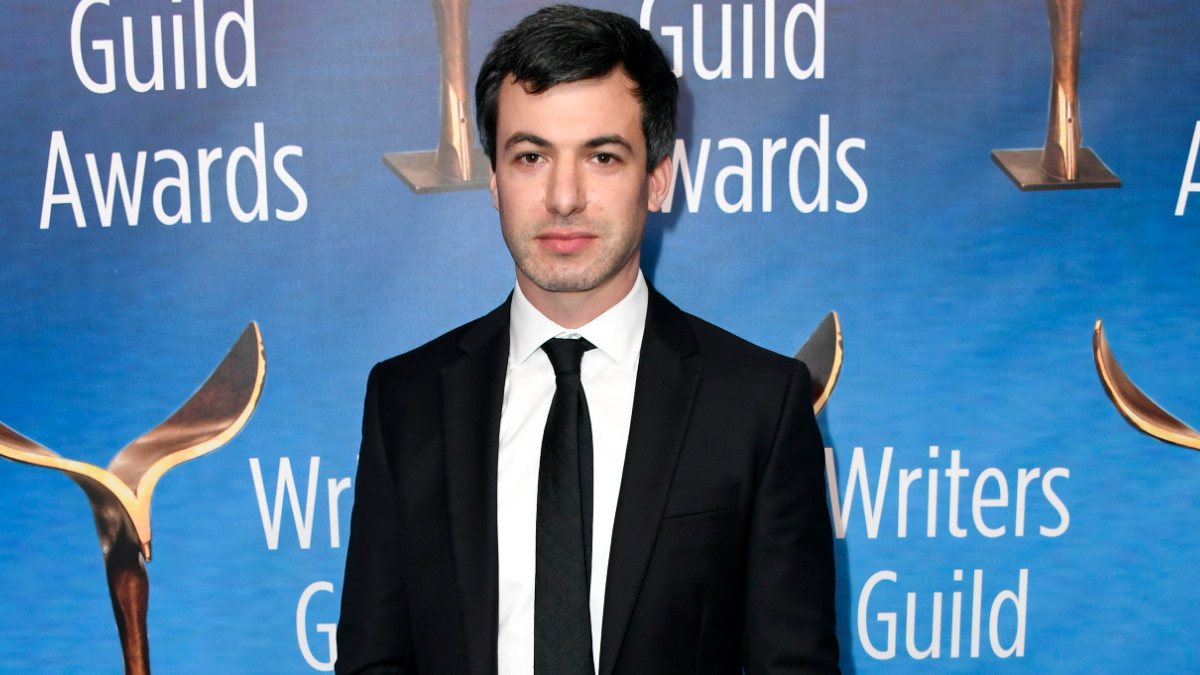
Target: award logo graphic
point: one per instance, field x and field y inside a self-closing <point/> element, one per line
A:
<point x="457" y="163"/>
<point x="822" y="353"/>
<point x="120" y="495"/>
<point x="1062" y="164"/>
<point x="1134" y="405"/>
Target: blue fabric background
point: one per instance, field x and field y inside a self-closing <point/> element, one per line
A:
<point x="967" y="308"/>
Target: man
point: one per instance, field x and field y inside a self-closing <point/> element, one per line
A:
<point x="694" y="465"/>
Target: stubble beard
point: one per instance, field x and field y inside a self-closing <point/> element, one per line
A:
<point x="574" y="275"/>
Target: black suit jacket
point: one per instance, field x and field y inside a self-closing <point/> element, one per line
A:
<point x="721" y="553"/>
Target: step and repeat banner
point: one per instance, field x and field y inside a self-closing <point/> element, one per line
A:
<point x="196" y="215"/>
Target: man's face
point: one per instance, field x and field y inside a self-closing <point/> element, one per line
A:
<point x="571" y="184"/>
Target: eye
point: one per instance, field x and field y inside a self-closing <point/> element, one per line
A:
<point x="528" y="158"/>
<point x="605" y="158"/>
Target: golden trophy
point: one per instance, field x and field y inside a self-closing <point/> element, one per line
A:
<point x="120" y="495"/>
<point x="1062" y="164"/>
<point x="822" y="353"/>
<point x="457" y="163"/>
<point x="1135" y="406"/>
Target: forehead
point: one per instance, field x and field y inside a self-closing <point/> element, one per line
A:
<point x="571" y="111"/>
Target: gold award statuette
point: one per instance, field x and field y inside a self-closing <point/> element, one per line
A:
<point x="1062" y="164"/>
<point x="822" y="353"/>
<point x="1135" y="406"/>
<point x="120" y="495"/>
<point x="457" y="163"/>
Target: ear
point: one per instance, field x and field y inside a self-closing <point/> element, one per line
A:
<point x="492" y="186"/>
<point x="660" y="184"/>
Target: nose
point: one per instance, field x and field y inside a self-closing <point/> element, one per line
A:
<point x="565" y="192"/>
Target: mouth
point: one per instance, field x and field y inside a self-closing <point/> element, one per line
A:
<point x="565" y="242"/>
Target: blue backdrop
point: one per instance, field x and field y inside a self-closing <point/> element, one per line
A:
<point x="1059" y="539"/>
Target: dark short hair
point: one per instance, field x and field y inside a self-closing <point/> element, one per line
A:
<point x="565" y="43"/>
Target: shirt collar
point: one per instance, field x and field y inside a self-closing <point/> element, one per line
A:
<point x="617" y="332"/>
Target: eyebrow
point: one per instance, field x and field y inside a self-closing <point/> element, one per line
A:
<point x="599" y="141"/>
<point x="526" y="137"/>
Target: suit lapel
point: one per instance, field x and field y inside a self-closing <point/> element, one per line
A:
<point x="472" y="394"/>
<point x="662" y="404"/>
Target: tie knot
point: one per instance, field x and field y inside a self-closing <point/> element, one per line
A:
<point x="566" y="353"/>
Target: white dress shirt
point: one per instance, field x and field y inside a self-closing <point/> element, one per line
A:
<point x="608" y="373"/>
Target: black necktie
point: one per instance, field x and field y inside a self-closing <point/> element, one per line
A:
<point x="562" y="628"/>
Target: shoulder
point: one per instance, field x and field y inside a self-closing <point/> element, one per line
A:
<point x="724" y="345"/>
<point x="434" y="356"/>
<point x="744" y="364"/>
<point x="715" y="350"/>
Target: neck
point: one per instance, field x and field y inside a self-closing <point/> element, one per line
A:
<point x="572" y="309"/>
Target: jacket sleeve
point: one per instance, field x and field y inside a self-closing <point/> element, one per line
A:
<point x="790" y="625"/>
<point x="374" y="634"/>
